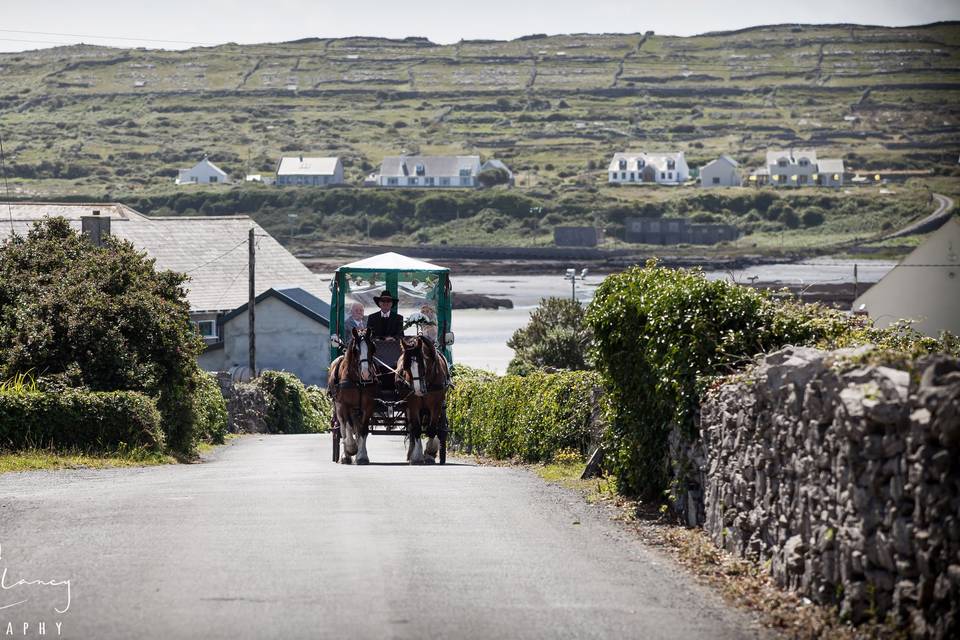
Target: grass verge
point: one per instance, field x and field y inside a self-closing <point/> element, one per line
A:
<point x="48" y="459"/>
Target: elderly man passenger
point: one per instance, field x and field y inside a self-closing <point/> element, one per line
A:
<point x="356" y="319"/>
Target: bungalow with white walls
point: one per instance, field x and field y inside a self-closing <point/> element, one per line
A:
<point x="722" y="172"/>
<point x="648" y="168"/>
<point x="318" y="172"/>
<point x="204" y="172"/>
<point x="429" y="171"/>
<point x="800" y="168"/>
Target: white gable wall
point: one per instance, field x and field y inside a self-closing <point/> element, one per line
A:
<point x="929" y="294"/>
<point x="287" y="340"/>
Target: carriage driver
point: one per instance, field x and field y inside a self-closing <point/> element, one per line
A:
<point x="382" y="324"/>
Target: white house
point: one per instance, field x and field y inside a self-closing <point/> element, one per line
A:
<point x="429" y="171"/>
<point x="298" y="170"/>
<point x="722" y="172"/>
<point x="648" y="168"/>
<point x="800" y="168"/>
<point x="925" y="286"/>
<point x="204" y="172"/>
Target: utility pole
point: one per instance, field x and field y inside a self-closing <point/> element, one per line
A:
<point x="251" y="303"/>
<point x="856" y="283"/>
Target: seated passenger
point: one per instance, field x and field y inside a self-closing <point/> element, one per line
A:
<point x="385" y="324"/>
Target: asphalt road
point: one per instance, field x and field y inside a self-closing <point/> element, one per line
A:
<point x="269" y="539"/>
<point x="930" y="223"/>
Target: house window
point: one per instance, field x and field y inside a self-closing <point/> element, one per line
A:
<point x="428" y="182"/>
<point x="671" y="165"/>
<point x="213" y="178"/>
<point x="804" y="162"/>
<point x="465" y="173"/>
<point x="670" y="175"/>
<point x="444" y="182"/>
<point x="392" y="181"/>
<point x="412" y="180"/>
<point x="207" y="328"/>
<point x="193" y="179"/>
<point x="465" y="182"/>
<point x="623" y="165"/>
<point x="623" y="175"/>
<point x="803" y="179"/>
<point x="632" y="175"/>
<point x="716" y="180"/>
<point x="641" y="163"/>
<point x="782" y="162"/>
<point x="420" y="170"/>
<point x="663" y="175"/>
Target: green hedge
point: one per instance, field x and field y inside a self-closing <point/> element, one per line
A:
<point x="210" y="409"/>
<point x="531" y="418"/>
<point x="323" y="406"/>
<point x="660" y="334"/>
<point x="289" y="408"/>
<point x="90" y="421"/>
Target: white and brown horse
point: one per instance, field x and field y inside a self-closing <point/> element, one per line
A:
<point x="352" y="383"/>
<point x="423" y="370"/>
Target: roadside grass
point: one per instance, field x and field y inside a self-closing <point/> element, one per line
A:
<point x="52" y="459"/>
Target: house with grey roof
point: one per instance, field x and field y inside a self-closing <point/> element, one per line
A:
<point x="429" y="171"/>
<point x="309" y="171"/>
<point x="799" y="168"/>
<point x="204" y="172"/>
<point x="640" y="167"/>
<point x="213" y="252"/>
<point x="722" y="172"/>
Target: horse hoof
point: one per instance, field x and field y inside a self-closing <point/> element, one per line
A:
<point x="363" y="460"/>
<point x="346" y="460"/>
<point x="429" y="460"/>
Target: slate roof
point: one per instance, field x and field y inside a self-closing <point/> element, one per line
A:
<point x="729" y="160"/>
<point x="211" y="250"/>
<point x="450" y="166"/>
<point x="832" y="165"/>
<point x="658" y="160"/>
<point x="299" y="299"/>
<point x="792" y="156"/>
<point x="301" y="166"/>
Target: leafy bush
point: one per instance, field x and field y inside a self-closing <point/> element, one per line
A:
<point x="322" y="405"/>
<point x="289" y="407"/>
<point x="493" y="176"/>
<point x="556" y="337"/>
<point x="210" y="409"/>
<point x="661" y="333"/>
<point x="531" y="418"/>
<point x="101" y="318"/>
<point x="90" y="421"/>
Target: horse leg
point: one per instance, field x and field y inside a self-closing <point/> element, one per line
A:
<point x="432" y="446"/>
<point x="366" y="411"/>
<point x="415" y="447"/>
<point x="348" y="437"/>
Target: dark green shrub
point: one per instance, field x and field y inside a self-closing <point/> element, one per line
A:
<point x="492" y="177"/>
<point x="556" y="337"/>
<point x="322" y="405"/>
<point x="813" y="217"/>
<point x="101" y="318"/>
<point x="210" y="409"/>
<point x="73" y="419"/>
<point x="289" y="409"/>
<point x="530" y="418"/>
<point x="382" y="227"/>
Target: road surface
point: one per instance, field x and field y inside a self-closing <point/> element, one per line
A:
<point x="930" y="223"/>
<point x="269" y="539"/>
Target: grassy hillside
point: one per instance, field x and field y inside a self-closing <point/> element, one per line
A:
<point x="95" y="121"/>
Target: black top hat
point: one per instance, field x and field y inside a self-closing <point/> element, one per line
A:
<point x="384" y="295"/>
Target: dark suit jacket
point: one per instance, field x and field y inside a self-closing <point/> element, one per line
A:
<point x="392" y="327"/>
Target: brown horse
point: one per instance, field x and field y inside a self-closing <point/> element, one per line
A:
<point x="352" y="383"/>
<point x="423" y="370"/>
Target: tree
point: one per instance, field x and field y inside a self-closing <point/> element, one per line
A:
<point x="98" y="317"/>
<point x="556" y="337"/>
<point x="493" y="176"/>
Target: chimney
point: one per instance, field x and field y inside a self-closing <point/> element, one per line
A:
<point x="95" y="227"/>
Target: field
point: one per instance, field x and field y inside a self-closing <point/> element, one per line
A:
<point x="95" y="122"/>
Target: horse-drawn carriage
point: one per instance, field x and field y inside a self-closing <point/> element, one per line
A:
<point x="392" y="387"/>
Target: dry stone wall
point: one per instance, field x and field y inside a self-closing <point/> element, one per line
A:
<point x="843" y="480"/>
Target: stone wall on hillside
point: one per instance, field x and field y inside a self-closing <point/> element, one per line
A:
<point x="844" y="480"/>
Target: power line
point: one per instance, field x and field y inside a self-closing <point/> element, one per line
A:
<point x="224" y="254"/>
